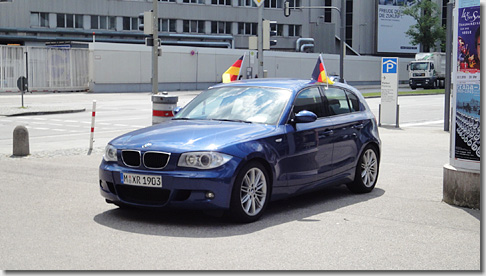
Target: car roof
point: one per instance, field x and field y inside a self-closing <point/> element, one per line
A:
<point x="295" y="85"/>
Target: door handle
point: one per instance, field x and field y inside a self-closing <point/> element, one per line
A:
<point x="326" y="133"/>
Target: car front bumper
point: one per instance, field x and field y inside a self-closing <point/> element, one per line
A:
<point x="194" y="189"/>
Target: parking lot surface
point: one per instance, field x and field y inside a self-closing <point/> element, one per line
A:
<point x="53" y="217"/>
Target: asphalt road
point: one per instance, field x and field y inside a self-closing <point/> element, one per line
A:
<point x="119" y="113"/>
<point x="53" y="217"/>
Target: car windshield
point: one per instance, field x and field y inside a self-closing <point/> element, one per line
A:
<point x="419" y="66"/>
<point x="243" y="104"/>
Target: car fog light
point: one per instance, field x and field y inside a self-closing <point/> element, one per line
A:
<point x="209" y="195"/>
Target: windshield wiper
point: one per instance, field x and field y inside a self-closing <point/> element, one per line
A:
<point x="185" y="119"/>
<point x="233" y="120"/>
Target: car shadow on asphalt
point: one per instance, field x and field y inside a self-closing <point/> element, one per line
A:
<point x="196" y="224"/>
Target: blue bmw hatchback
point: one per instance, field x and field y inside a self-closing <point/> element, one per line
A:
<point x="237" y="146"/>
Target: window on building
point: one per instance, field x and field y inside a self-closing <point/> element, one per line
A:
<point x="274" y="4"/>
<point x="295" y="30"/>
<point x="78" y="21"/>
<point x="39" y="19"/>
<point x="221" y="2"/>
<point x="193" y="26"/>
<point x="219" y="27"/>
<point x="193" y="1"/>
<point x="103" y="22"/>
<point x="246" y="3"/>
<point x="444" y="12"/>
<point x="167" y="25"/>
<point x="328" y="12"/>
<point x="130" y="23"/>
<point x="278" y="28"/>
<point x="247" y="28"/>
<point x="69" y="20"/>
<point x="294" y="3"/>
<point x="173" y="1"/>
<point x="349" y="22"/>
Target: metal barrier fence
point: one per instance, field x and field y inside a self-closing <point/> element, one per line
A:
<point x="49" y="69"/>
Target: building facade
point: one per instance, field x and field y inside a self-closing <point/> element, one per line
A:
<point x="202" y="23"/>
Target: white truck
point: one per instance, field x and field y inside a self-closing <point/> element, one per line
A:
<point x="427" y="71"/>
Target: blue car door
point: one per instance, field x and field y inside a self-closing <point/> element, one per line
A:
<point x="310" y="144"/>
<point x="348" y="122"/>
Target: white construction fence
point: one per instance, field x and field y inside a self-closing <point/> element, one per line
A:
<point x="49" y="68"/>
<point x="110" y="67"/>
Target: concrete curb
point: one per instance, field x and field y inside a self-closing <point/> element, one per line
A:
<point x="12" y="113"/>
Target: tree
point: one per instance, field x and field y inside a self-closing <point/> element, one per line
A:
<point x="428" y="29"/>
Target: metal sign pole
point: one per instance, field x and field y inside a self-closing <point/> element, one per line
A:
<point x="155" y="49"/>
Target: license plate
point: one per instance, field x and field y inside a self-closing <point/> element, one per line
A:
<point x="141" y="180"/>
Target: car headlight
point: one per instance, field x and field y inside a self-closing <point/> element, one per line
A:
<point x="203" y="160"/>
<point x="110" y="153"/>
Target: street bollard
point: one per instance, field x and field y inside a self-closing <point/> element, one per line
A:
<point x="20" y="141"/>
<point x="163" y="107"/>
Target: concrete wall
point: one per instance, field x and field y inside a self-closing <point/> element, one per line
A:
<point x="127" y="68"/>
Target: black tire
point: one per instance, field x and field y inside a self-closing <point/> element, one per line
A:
<point x="251" y="193"/>
<point x="367" y="170"/>
<point x="413" y="87"/>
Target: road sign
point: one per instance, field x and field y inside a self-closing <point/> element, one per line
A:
<point x="258" y="2"/>
<point x="389" y="91"/>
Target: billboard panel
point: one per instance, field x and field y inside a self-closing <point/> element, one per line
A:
<point x="392" y="25"/>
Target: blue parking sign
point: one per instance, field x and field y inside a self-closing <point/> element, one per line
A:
<point x="389" y="65"/>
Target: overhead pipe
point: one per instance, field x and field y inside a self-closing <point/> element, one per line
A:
<point x="303" y="40"/>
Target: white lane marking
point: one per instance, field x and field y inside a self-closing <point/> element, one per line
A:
<point x="422" y="123"/>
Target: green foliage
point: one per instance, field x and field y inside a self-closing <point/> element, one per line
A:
<point x="428" y="29"/>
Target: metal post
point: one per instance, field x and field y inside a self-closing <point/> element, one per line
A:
<point x="260" y="41"/>
<point x="155" y="49"/>
<point x="91" y="137"/>
<point x="447" y="100"/>
<point x="343" y="38"/>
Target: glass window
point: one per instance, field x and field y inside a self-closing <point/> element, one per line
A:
<point x="218" y="27"/>
<point x="103" y="22"/>
<point x="112" y="23"/>
<point x="60" y="18"/>
<point x="69" y="21"/>
<point x="167" y="25"/>
<point x="248" y="104"/>
<point x="311" y="100"/>
<point x="44" y="22"/>
<point x="353" y="101"/>
<point x="39" y="19"/>
<point x="94" y="22"/>
<point x="193" y="26"/>
<point x="294" y="30"/>
<point x="337" y="101"/>
<point x="126" y="23"/>
<point x="78" y="21"/>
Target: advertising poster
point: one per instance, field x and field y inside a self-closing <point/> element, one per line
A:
<point x="467" y="132"/>
<point x="392" y="25"/>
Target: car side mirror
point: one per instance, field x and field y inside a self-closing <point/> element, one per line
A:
<point x="305" y="116"/>
<point x="177" y="110"/>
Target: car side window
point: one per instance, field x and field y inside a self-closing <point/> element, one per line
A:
<point x="353" y="101"/>
<point x="337" y="101"/>
<point x="311" y="100"/>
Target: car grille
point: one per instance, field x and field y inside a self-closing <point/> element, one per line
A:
<point x="143" y="195"/>
<point x="155" y="160"/>
<point x="151" y="159"/>
<point x="131" y="158"/>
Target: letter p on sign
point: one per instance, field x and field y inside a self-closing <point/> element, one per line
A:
<point x="390" y="65"/>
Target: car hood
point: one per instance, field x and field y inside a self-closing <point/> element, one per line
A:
<point x="180" y="135"/>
